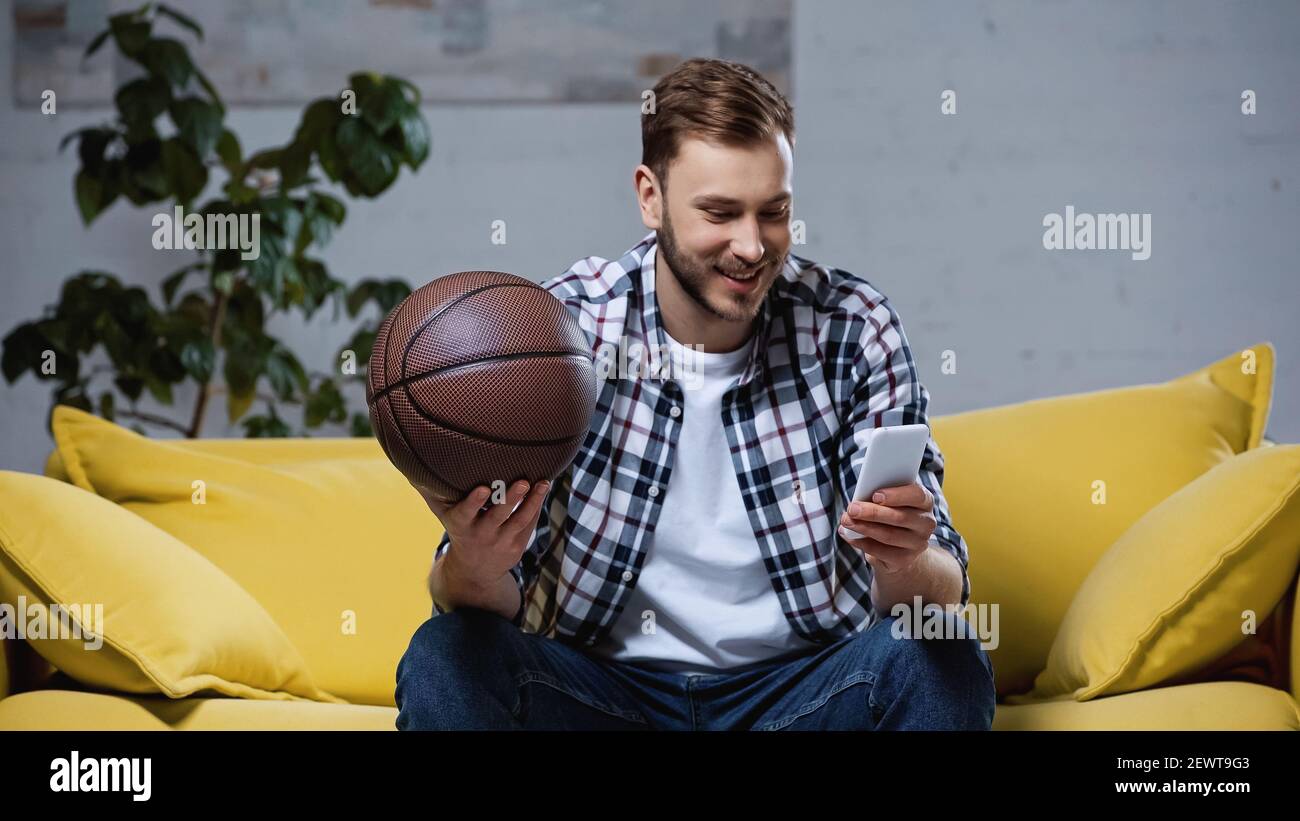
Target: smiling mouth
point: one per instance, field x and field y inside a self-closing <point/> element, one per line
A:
<point x="736" y="277"/>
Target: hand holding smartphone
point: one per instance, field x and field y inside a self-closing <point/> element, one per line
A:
<point x="893" y="458"/>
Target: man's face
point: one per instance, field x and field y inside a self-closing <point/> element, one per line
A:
<point x="725" y="230"/>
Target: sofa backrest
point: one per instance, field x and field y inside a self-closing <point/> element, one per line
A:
<point x="1022" y="482"/>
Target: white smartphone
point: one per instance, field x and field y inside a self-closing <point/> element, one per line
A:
<point x="893" y="458"/>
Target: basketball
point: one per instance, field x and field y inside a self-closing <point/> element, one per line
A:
<point x="480" y="377"/>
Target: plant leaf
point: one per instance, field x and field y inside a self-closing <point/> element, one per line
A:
<point x="186" y="175"/>
<point x="268" y="425"/>
<point x="285" y="373"/>
<point x="74" y="394"/>
<point x="266" y="159"/>
<point x="22" y="351"/>
<point x="382" y="107"/>
<point x="237" y="404"/>
<point x="130" y="32"/>
<point x="361" y="425"/>
<point x="328" y="152"/>
<point x="96" y="43"/>
<point x="199" y="124"/>
<point x="294" y="162"/>
<point x="331" y="207"/>
<point x="142" y="100"/>
<point x="107" y="405"/>
<point x="390" y="293"/>
<point x="187" y="22"/>
<point x="162" y="391"/>
<point x="367" y="157"/>
<point x="199" y="358"/>
<point x="131" y="386"/>
<point x="240" y="372"/>
<point x="325" y="404"/>
<point x="142" y="174"/>
<point x="168" y="59"/>
<point x="89" y="192"/>
<point x="359" y="295"/>
<point x="228" y="149"/>
<point x="319" y="118"/>
<point x="211" y="89"/>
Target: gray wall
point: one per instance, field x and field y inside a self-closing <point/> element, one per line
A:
<point x="1108" y="106"/>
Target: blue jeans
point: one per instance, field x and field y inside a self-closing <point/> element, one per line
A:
<point x="473" y="669"/>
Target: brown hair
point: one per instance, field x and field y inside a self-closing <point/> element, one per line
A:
<point x="717" y="100"/>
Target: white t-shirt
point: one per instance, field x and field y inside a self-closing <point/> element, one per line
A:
<point x="703" y="580"/>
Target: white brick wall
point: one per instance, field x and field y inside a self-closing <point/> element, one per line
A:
<point x="1109" y="106"/>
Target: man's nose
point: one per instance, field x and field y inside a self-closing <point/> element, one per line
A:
<point x="747" y="243"/>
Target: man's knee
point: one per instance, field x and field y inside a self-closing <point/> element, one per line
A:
<point x="946" y="661"/>
<point x="452" y="656"/>
<point x="945" y="642"/>
<point x="462" y="628"/>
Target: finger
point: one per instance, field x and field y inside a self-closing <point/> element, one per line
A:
<point x="525" y="518"/>
<point x="500" y="512"/>
<point x="882" y="552"/>
<point x="913" y="495"/>
<point x="440" y="508"/>
<point x="871" y="512"/>
<point x="437" y="505"/>
<point x="888" y="534"/>
<point x="464" y="511"/>
<point x="920" y="522"/>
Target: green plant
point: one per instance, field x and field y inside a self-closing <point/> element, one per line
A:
<point x="359" y="141"/>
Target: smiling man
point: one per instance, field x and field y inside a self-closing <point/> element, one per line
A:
<point x="690" y="570"/>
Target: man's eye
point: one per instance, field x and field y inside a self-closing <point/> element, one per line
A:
<point x="725" y="215"/>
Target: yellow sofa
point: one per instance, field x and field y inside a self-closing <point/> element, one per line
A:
<point x="273" y="584"/>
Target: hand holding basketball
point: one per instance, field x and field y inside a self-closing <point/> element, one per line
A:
<point x="487" y="541"/>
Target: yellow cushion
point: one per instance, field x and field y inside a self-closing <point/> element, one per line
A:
<point x="160" y="617"/>
<point x="1168" y="598"/>
<point x="337" y="549"/>
<point x="261" y="451"/>
<point x="1019" y="480"/>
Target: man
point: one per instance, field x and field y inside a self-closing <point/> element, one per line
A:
<point x="690" y="570"/>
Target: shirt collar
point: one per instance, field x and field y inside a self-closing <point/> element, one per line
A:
<point x="656" y="339"/>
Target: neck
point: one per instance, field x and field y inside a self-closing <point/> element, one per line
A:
<point x="689" y="322"/>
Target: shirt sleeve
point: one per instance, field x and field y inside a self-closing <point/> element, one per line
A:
<point x="885" y="391"/>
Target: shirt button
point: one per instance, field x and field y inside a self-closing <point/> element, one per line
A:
<point x="674" y="411"/>
<point x="654" y="491"/>
<point x="627" y="575"/>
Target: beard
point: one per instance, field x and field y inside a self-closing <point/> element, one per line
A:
<point x="694" y="276"/>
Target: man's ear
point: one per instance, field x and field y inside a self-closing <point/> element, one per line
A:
<point x="649" y="197"/>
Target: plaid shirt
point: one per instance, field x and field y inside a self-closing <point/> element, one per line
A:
<point x="830" y="363"/>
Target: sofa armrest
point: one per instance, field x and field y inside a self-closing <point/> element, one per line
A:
<point x="1295" y="639"/>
